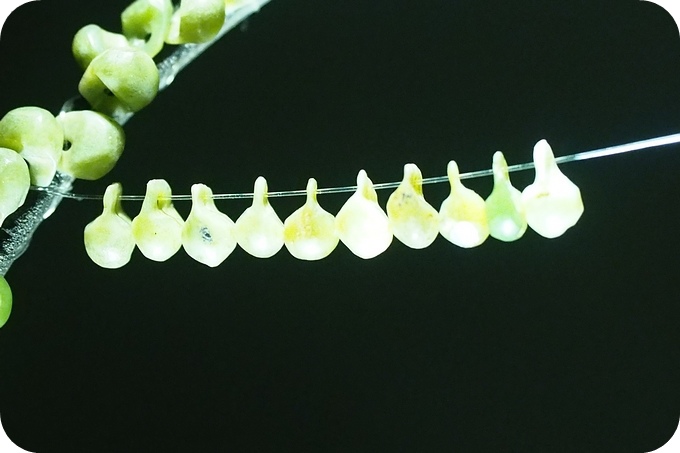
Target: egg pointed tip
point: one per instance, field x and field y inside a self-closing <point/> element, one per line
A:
<point x="542" y="148"/>
<point x="363" y="179"/>
<point x="261" y="187"/>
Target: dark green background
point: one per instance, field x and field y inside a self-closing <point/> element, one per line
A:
<point x="564" y="345"/>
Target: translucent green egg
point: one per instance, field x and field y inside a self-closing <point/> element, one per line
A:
<point x="5" y="301"/>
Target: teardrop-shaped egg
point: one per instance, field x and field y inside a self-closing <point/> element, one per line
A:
<point x="146" y="24"/>
<point x="35" y="134"/>
<point x="196" y="21"/>
<point x="158" y="227"/>
<point x="5" y="301"/>
<point x="504" y="208"/>
<point x="15" y="182"/>
<point x="108" y="238"/>
<point x="462" y="216"/>
<point x="553" y="203"/>
<point x="208" y="234"/>
<point x="412" y="219"/>
<point x="259" y="230"/>
<point x="362" y="225"/>
<point x="309" y="233"/>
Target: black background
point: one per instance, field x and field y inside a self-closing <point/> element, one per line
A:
<point x="542" y="345"/>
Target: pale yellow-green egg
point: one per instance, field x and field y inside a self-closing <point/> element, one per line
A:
<point x="5" y="301"/>
<point x="95" y="143"/>
<point x="157" y="229"/>
<point x="108" y="238"/>
<point x="146" y="24"/>
<point x="412" y="219"/>
<point x="208" y="234"/>
<point x="504" y="208"/>
<point x="120" y="81"/>
<point x="361" y="224"/>
<point x="233" y="4"/>
<point x="196" y="21"/>
<point x="462" y="216"/>
<point x="92" y="40"/>
<point x="14" y="182"/>
<point x="34" y="133"/>
<point x="309" y="232"/>
<point x="259" y="230"/>
<point x="553" y="203"/>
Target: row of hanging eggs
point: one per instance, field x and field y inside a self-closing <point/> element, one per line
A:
<point x="550" y="205"/>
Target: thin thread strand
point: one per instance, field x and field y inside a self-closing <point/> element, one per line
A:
<point x="585" y="155"/>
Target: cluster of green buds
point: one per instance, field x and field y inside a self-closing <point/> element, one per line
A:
<point x="550" y="206"/>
